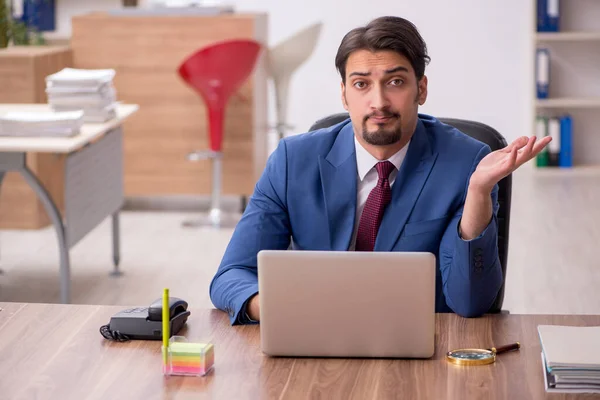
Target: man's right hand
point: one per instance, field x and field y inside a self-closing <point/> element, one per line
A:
<point x="254" y="308"/>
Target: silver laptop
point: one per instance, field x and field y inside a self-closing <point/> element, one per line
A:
<point x="347" y="304"/>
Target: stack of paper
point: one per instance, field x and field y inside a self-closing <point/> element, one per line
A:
<point x="41" y="124"/>
<point x="571" y="358"/>
<point x="184" y="3"/>
<point x="90" y="90"/>
<point x="176" y="7"/>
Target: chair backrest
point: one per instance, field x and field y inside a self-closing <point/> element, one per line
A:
<point x="495" y="140"/>
<point x="288" y="55"/>
<point x="284" y="59"/>
<point x="218" y="70"/>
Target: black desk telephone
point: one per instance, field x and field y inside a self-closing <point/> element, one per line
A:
<point x="145" y="323"/>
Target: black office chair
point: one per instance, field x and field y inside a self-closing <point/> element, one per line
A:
<point x="495" y="140"/>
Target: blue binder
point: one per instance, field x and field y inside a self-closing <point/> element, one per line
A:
<point x="553" y="13"/>
<point x="542" y="17"/>
<point x="566" y="142"/>
<point x="39" y="14"/>
<point x="548" y="16"/>
<point x="542" y="73"/>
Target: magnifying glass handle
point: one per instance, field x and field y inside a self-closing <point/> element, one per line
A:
<point x="504" y="349"/>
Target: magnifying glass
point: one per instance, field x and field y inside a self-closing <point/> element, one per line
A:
<point x="478" y="356"/>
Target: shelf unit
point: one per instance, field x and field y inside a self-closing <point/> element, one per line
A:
<point x="574" y="81"/>
<point x="579" y="171"/>
<point x="542" y="37"/>
<point x="569" y="102"/>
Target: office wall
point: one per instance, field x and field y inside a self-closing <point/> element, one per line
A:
<point x="480" y="50"/>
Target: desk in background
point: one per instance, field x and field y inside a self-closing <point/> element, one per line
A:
<point x="23" y="70"/>
<point x="57" y="352"/>
<point x="146" y="51"/>
<point x="92" y="176"/>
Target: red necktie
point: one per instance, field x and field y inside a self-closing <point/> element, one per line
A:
<point x="378" y="199"/>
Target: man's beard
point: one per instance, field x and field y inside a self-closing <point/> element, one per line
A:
<point x="382" y="136"/>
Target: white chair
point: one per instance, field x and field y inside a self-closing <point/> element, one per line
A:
<point x="284" y="59"/>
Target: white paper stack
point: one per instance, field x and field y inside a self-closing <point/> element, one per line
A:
<point x="571" y="358"/>
<point x="90" y="90"/>
<point x="176" y="8"/>
<point x="41" y="124"/>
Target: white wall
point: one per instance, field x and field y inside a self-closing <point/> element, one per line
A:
<point x="481" y="53"/>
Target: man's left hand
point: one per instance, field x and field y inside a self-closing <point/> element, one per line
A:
<point x="500" y="163"/>
<point x="491" y="169"/>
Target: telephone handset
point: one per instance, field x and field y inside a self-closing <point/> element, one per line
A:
<point x="146" y="323"/>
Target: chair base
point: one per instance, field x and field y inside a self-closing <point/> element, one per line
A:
<point x="215" y="218"/>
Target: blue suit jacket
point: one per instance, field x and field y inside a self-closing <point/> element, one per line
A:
<point x="307" y="194"/>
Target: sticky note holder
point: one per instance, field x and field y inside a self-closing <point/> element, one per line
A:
<point x="188" y="359"/>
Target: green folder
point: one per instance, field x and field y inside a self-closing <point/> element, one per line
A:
<point x="541" y="130"/>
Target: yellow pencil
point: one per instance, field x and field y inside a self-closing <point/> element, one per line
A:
<point x="165" y="325"/>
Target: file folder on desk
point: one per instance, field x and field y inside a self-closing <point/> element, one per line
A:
<point x="570" y="358"/>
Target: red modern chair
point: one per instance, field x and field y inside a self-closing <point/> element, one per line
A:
<point x="216" y="72"/>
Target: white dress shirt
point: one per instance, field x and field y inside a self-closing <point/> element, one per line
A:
<point x="367" y="179"/>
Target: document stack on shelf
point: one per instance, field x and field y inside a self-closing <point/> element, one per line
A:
<point x="41" y="124"/>
<point x="570" y="358"/>
<point x="90" y="90"/>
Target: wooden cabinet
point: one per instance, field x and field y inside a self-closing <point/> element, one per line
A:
<point x="145" y="52"/>
<point x="23" y="70"/>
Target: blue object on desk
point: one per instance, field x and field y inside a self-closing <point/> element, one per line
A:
<point x="566" y="142"/>
<point x="39" y="14"/>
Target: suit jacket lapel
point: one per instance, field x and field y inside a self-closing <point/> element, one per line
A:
<point x="338" y="179"/>
<point x="408" y="185"/>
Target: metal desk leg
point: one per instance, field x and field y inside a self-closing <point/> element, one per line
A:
<point x="116" y="236"/>
<point x="54" y="214"/>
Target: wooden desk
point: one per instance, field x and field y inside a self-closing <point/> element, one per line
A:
<point x="57" y="352"/>
<point x="23" y="70"/>
<point x="92" y="176"/>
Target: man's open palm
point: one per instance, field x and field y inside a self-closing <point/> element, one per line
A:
<point x="500" y="163"/>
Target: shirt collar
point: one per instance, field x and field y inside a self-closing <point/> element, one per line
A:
<point x="365" y="161"/>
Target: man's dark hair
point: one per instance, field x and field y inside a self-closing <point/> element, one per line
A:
<point x="385" y="33"/>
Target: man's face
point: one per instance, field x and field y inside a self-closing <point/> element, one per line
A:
<point x="382" y="96"/>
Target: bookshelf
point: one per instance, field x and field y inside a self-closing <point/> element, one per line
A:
<point x="543" y="37"/>
<point x="574" y="83"/>
<point x="568" y="102"/>
<point x="577" y="171"/>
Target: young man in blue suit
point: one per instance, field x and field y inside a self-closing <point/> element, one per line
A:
<point x="386" y="179"/>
